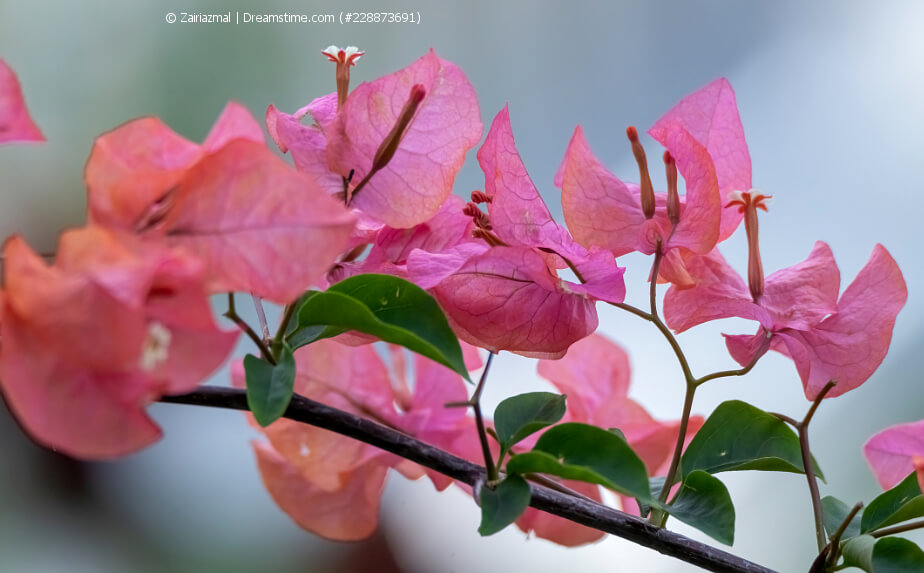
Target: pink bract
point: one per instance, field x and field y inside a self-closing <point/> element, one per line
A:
<point x="896" y="452"/>
<point x="15" y="122"/>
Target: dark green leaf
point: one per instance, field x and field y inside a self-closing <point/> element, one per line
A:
<point x="738" y="436"/>
<point x="897" y="555"/>
<point x="858" y="552"/>
<point x="901" y="503"/>
<point x="519" y="416"/>
<point x="269" y="388"/>
<point x="502" y="505"/>
<point x="656" y="484"/>
<point x="703" y="502"/>
<point x="586" y="453"/>
<point x="387" y="307"/>
<point x="619" y="433"/>
<point x="835" y="513"/>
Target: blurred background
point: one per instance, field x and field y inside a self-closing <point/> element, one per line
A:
<point x="830" y="95"/>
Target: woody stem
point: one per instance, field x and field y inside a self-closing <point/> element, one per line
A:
<point x="231" y="314"/>
<point x="809" y="467"/>
<point x="490" y="467"/>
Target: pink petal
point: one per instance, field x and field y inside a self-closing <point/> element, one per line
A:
<point x="719" y="293"/>
<point x="890" y="453"/>
<point x="518" y="214"/>
<point x="307" y="143"/>
<point x="698" y="227"/>
<point x="133" y="166"/>
<point x="69" y="408"/>
<point x="711" y="116"/>
<point x="506" y="299"/>
<point x="15" y="122"/>
<point x="347" y="514"/>
<point x="744" y="347"/>
<point x="442" y="232"/>
<point x="169" y="285"/>
<point x="69" y="361"/>
<point x="602" y="277"/>
<point x="411" y="188"/>
<point x="242" y="210"/>
<point x="234" y="122"/>
<point x="557" y="529"/>
<point x="594" y="374"/>
<point x="435" y="386"/>
<point x="427" y="270"/>
<point x="599" y="208"/>
<point x="848" y="346"/>
<point x="800" y="296"/>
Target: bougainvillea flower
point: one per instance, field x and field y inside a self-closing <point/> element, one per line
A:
<point x="595" y="375"/>
<point x="259" y="225"/>
<point x="798" y="308"/>
<point x="505" y="294"/>
<point x="89" y="342"/>
<point x="400" y="178"/>
<point x="15" y="122"/>
<point x="705" y="142"/>
<point x="896" y="452"/>
<point x="133" y="167"/>
<point x="330" y="484"/>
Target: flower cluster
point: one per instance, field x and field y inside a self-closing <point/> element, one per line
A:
<point x="122" y="317"/>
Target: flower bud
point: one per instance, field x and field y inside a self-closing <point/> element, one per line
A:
<point x="648" y="198"/>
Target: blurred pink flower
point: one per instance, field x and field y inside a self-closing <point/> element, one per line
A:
<point x="89" y="342"/>
<point x="15" y="122"/>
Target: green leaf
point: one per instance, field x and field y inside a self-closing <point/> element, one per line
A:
<point x="901" y="503"/>
<point x="858" y="552"/>
<point x="502" y="505"/>
<point x="269" y="388"/>
<point x="738" y="436"/>
<point x="836" y="512"/>
<point x="519" y="416"/>
<point x="656" y="484"/>
<point x="586" y="453"/>
<point x="387" y="307"/>
<point x="897" y="555"/>
<point x="704" y="503"/>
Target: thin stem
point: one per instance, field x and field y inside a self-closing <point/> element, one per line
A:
<point x="594" y="515"/>
<point x="765" y="345"/>
<point x="809" y="467"/>
<point x="898" y="529"/>
<point x="834" y="544"/>
<point x="284" y="325"/>
<point x="231" y="314"/>
<point x="633" y="309"/>
<point x="792" y="422"/>
<point x="261" y="316"/>
<point x="658" y="516"/>
<point x="479" y="422"/>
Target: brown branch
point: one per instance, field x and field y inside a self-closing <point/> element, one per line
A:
<point x="578" y="510"/>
